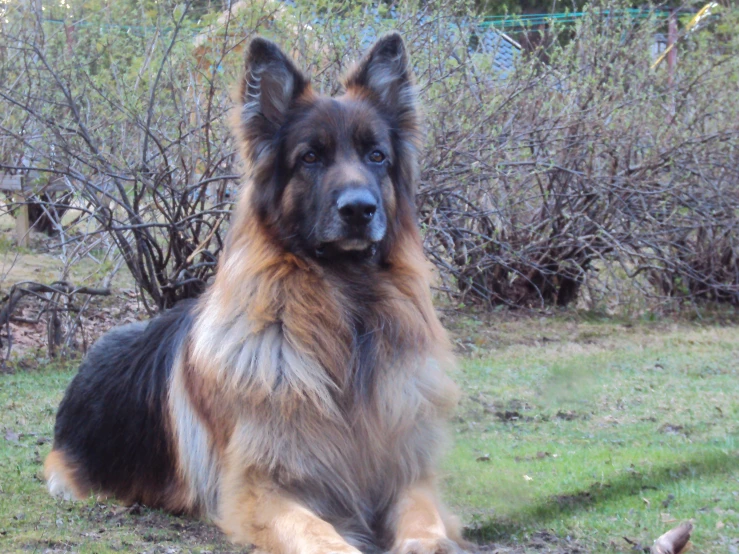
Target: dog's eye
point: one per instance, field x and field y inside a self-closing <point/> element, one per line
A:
<point x="377" y="157"/>
<point x="310" y="157"/>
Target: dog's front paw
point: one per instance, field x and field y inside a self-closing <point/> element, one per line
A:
<point x="434" y="545"/>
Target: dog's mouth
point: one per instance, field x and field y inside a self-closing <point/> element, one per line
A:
<point x="348" y="248"/>
<point x="353" y="245"/>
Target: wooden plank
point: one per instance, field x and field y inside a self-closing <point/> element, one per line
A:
<point x="17" y="183"/>
<point x="57" y="185"/>
<point x="11" y="183"/>
<point x="52" y="183"/>
<point x="14" y="184"/>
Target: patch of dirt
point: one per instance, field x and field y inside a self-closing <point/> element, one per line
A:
<point x="510" y="415"/>
<point x="511" y="410"/>
<point x="673" y="429"/>
<point x="541" y="541"/>
<point x="571" y="415"/>
<point x="158" y="531"/>
<point x="569" y="501"/>
<point x="540" y="455"/>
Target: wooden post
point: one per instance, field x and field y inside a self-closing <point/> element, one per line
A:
<point x="22" y="225"/>
<point x="14" y="185"/>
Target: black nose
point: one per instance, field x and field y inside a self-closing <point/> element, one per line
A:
<point x="356" y="206"/>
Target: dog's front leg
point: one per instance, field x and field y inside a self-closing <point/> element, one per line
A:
<point x="421" y="524"/>
<point x="254" y="510"/>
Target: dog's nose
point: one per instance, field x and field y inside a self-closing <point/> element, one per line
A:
<point x="357" y="206"/>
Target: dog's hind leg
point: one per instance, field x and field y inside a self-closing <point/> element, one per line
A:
<point x="61" y="478"/>
<point x="421" y="524"/>
<point x="256" y="511"/>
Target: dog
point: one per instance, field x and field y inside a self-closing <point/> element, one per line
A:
<point x="300" y="403"/>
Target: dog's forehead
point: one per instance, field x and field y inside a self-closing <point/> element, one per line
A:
<point x="332" y="121"/>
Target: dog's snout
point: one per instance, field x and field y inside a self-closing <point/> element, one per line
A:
<point x="357" y="206"/>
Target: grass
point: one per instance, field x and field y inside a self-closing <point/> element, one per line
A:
<point x="601" y="432"/>
<point x="31" y="521"/>
<point x="590" y="431"/>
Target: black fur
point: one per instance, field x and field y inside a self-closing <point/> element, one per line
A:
<point x="112" y="422"/>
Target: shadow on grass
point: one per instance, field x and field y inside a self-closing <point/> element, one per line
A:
<point x="537" y="516"/>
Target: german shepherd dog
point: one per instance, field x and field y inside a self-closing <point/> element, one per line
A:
<point x="300" y="403"/>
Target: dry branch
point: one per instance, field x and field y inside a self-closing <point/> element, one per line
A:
<point x="19" y="290"/>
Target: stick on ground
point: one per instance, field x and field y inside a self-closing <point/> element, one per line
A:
<point x="675" y="541"/>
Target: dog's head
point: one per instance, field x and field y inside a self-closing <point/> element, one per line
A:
<point x="332" y="177"/>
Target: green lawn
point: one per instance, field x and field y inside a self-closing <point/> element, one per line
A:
<point x="569" y="433"/>
<point x="600" y="432"/>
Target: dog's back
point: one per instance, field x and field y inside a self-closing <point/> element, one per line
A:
<point x="111" y="431"/>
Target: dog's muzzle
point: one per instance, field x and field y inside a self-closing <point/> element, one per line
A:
<point x="356" y="222"/>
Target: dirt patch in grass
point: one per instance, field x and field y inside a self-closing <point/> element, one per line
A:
<point x="106" y="527"/>
<point x="155" y="526"/>
<point x="540" y="542"/>
<point x="139" y="529"/>
<point x="29" y="329"/>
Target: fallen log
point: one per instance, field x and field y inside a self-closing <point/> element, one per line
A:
<point x="57" y="297"/>
<point x="19" y="290"/>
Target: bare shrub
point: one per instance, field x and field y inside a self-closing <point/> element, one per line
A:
<point x="134" y="125"/>
<point x="592" y="163"/>
<point x="588" y="170"/>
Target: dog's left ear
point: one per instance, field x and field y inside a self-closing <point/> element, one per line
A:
<point x="384" y="76"/>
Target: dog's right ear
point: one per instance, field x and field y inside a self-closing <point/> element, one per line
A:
<point x="270" y="87"/>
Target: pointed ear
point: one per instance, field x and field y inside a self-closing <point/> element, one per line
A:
<point x="270" y="87"/>
<point x="384" y="76"/>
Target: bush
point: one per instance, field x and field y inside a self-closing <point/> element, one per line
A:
<point x="589" y="170"/>
<point x="591" y="164"/>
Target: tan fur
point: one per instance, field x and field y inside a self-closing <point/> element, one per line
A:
<point x="423" y="526"/>
<point x="257" y="511"/>
<point x="278" y="289"/>
<point x="59" y="473"/>
<point x="294" y="420"/>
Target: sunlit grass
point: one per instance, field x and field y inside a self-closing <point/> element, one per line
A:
<point x="602" y="442"/>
